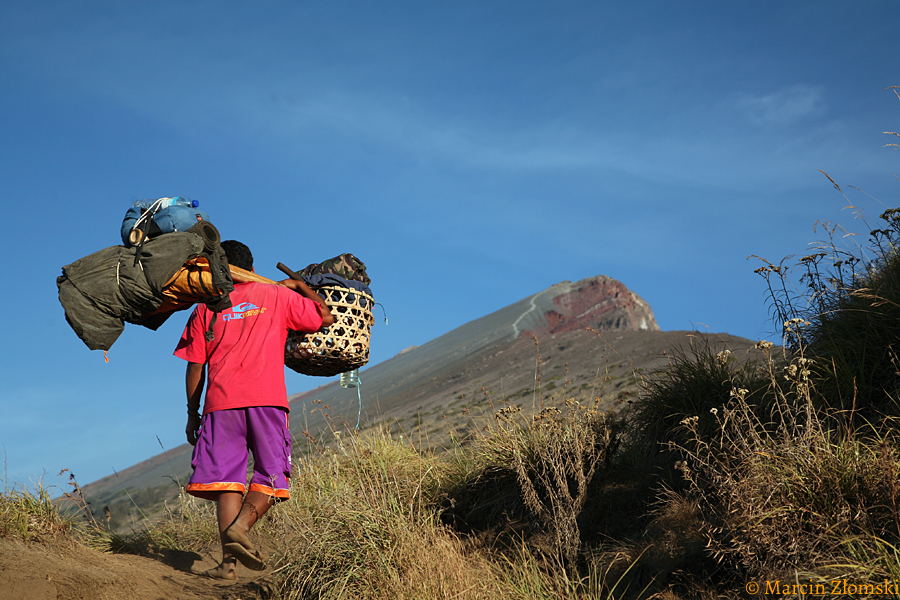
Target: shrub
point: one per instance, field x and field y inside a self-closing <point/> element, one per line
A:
<point x="531" y="476"/>
<point x="698" y="379"/>
<point x="789" y="493"/>
<point x="362" y="523"/>
<point x="851" y="301"/>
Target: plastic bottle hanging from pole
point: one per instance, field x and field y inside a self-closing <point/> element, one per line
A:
<point x="350" y="379"/>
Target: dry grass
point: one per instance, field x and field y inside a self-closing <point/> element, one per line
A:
<point x="187" y="524"/>
<point x="361" y="522"/>
<point x="554" y="455"/>
<point x="28" y="514"/>
<point x="771" y="493"/>
<point x="787" y="495"/>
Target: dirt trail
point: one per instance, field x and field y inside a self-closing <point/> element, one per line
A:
<point x="61" y="569"/>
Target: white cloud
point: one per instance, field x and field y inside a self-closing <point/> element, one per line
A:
<point x="784" y="107"/>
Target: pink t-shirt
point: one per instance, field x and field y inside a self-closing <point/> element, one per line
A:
<point x="246" y="357"/>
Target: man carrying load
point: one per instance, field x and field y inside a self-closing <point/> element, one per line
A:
<point x="246" y="406"/>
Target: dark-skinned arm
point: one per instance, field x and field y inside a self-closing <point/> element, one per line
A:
<point x="307" y="292"/>
<point x="194" y="379"/>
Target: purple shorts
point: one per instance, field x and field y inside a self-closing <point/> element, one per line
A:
<point x="227" y="437"/>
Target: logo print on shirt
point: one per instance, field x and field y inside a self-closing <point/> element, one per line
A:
<point x="243" y="310"/>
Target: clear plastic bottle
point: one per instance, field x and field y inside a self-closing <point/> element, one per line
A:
<point x="350" y="379"/>
<point x="167" y="202"/>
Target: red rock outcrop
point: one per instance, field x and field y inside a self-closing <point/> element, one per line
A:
<point x="600" y="302"/>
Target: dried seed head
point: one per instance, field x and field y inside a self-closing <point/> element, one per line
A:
<point x="796" y="322"/>
<point x="739" y="393"/>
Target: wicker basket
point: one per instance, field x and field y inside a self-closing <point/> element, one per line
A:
<point x="337" y="349"/>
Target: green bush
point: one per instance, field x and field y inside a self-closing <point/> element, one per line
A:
<point x="698" y="379"/>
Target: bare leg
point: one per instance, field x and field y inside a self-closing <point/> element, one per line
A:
<point x="228" y="506"/>
<point x="254" y="506"/>
<point x="235" y="540"/>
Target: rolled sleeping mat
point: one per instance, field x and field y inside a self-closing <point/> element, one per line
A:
<point x="209" y="233"/>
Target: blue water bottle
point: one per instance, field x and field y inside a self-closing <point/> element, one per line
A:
<point x="185" y="201"/>
<point x="167" y="202"/>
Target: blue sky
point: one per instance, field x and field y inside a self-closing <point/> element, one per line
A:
<point x="471" y="153"/>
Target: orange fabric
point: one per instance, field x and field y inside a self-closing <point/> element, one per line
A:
<point x="210" y="491"/>
<point x="281" y="494"/>
<point x="190" y="284"/>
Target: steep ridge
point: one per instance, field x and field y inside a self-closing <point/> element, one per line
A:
<point x="521" y="353"/>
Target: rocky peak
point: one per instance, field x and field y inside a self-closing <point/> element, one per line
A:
<point x="600" y="302"/>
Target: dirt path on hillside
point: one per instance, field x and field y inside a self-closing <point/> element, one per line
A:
<point x="65" y="570"/>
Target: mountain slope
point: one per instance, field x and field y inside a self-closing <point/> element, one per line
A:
<point x="526" y="353"/>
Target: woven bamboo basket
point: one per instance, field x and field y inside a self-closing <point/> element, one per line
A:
<point x="337" y="349"/>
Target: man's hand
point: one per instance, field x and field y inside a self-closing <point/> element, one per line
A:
<point x="192" y="429"/>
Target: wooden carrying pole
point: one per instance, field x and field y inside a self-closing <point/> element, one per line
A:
<point x="239" y="275"/>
